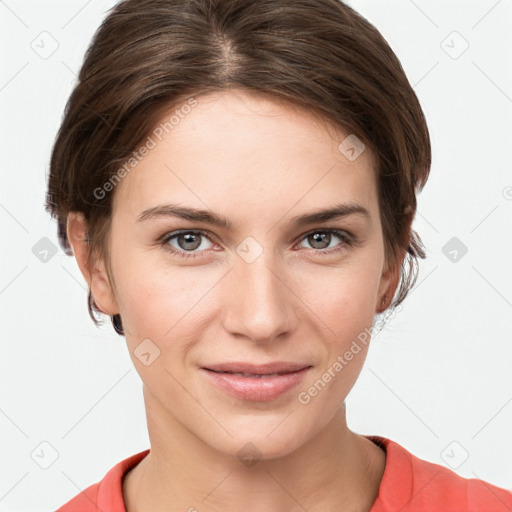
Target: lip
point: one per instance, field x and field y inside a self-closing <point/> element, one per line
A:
<point x="259" y="382"/>
<point x="257" y="369"/>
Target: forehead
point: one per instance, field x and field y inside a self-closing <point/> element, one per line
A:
<point x="233" y="150"/>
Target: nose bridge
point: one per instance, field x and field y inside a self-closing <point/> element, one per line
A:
<point x="260" y="302"/>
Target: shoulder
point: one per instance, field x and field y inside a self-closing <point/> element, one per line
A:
<point x="107" y="494"/>
<point x="86" y="501"/>
<point x="413" y="484"/>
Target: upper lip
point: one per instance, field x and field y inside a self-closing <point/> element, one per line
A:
<point x="257" y="369"/>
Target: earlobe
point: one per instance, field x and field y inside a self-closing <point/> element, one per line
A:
<point x="93" y="270"/>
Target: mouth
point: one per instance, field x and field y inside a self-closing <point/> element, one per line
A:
<point x="253" y="375"/>
<point x="262" y="382"/>
<point x="254" y="370"/>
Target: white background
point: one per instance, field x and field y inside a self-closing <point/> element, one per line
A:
<point x="439" y="373"/>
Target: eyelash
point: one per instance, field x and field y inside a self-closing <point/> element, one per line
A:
<point x="347" y="239"/>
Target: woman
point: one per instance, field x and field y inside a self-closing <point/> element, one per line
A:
<point x="237" y="181"/>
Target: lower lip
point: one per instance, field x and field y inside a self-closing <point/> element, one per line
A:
<point x="256" y="388"/>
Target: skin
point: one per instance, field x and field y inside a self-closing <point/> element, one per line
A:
<point x="258" y="163"/>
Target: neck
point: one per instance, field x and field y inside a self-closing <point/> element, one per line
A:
<point x="336" y="469"/>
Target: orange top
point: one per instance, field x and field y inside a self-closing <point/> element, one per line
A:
<point x="409" y="484"/>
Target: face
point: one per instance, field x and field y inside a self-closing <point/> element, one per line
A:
<point x="263" y="287"/>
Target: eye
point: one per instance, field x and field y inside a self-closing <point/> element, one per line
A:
<point x="321" y="240"/>
<point x="187" y="242"/>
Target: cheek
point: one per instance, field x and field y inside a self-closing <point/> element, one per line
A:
<point x="165" y="304"/>
<point x="152" y="294"/>
<point x="349" y="315"/>
<point x="347" y="309"/>
<point x="343" y="297"/>
<point x="342" y="302"/>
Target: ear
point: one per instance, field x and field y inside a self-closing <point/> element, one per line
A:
<point x="94" y="271"/>
<point x="388" y="284"/>
<point x="391" y="274"/>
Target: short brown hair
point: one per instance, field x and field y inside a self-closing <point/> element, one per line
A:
<point x="148" y="55"/>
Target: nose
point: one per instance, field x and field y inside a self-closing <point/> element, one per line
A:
<point x="259" y="302"/>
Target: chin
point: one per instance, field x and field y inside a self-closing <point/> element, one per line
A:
<point x="261" y="439"/>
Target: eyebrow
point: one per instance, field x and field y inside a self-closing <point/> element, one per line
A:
<point x="209" y="217"/>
